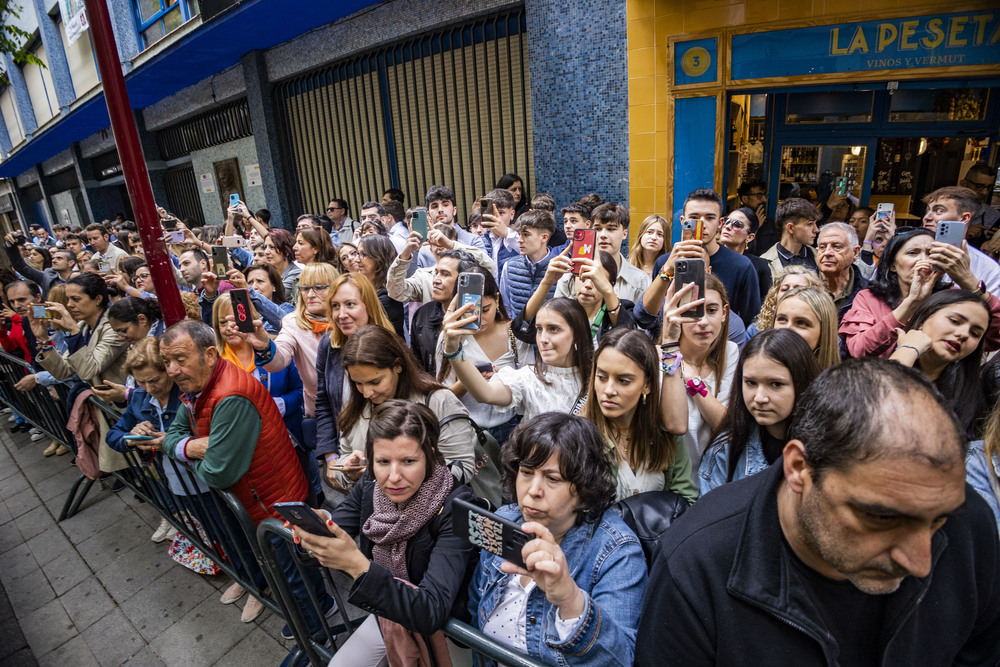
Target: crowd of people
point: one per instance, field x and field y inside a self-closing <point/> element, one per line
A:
<point x="819" y="401"/>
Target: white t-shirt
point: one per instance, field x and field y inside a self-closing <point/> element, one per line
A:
<point x="986" y="269"/>
<point x="532" y="397"/>
<point x="698" y="434"/>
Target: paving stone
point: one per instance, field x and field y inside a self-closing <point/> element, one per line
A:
<point x="203" y="636"/>
<point x="87" y="603"/>
<point x="49" y="545"/>
<point x="165" y="601"/>
<point x="5" y="514"/>
<point x="74" y="653"/>
<point x="16" y="562"/>
<point x="97" y="553"/>
<point x="100" y="512"/>
<point x="147" y="658"/>
<point x="29" y="592"/>
<point x="35" y="522"/>
<point x="10" y="537"/>
<point x="57" y="486"/>
<point x="42" y="470"/>
<point x="22" y="502"/>
<point x="66" y="571"/>
<point x="130" y="573"/>
<point x="47" y="628"/>
<point x="256" y="648"/>
<point x="113" y="640"/>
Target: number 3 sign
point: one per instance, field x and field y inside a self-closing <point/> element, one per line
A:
<point x="695" y="61"/>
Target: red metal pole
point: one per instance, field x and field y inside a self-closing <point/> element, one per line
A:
<point x="133" y="163"/>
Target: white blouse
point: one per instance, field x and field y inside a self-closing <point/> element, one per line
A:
<point x="508" y="623"/>
<point x="531" y="396"/>
<point x="631" y="483"/>
<point x="699" y="432"/>
<point x="485" y="415"/>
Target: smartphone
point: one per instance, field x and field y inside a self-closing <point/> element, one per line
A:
<point x="418" y="223"/>
<point x="691" y="229"/>
<point x="241" y="310"/>
<point x="484" y="368"/>
<point x="841" y="185"/>
<point x="234" y="200"/>
<point x="688" y="271"/>
<point x="950" y="232"/>
<point x="584" y="245"/>
<point x="488" y="531"/>
<point x="884" y="210"/>
<point x="39" y="313"/>
<point x="169" y="223"/>
<point x="299" y="514"/>
<point x="139" y="438"/>
<point x="103" y="387"/>
<point x="104" y="267"/>
<point x="486" y="208"/>
<point x="220" y="261"/>
<point x="470" y="290"/>
<point x="233" y="242"/>
<point x="176" y="236"/>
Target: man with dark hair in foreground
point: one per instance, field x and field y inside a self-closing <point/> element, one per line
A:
<point x="860" y="546"/>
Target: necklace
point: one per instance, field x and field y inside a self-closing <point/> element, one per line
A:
<point x="622" y="439"/>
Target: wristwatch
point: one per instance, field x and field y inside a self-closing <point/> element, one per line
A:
<point x="696" y="386"/>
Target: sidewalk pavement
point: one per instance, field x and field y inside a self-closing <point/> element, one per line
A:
<point x="94" y="590"/>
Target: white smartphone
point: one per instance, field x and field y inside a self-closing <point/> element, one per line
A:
<point x="884" y="210"/>
<point x="233" y="242"/>
<point x="176" y="236"/>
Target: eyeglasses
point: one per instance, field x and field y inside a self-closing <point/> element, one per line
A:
<point x="360" y="254"/>
<point x="334" y="208"/>
<point x="757" y="195"/>
<point x="734" y="223"/>
<point x="305" y="289"/>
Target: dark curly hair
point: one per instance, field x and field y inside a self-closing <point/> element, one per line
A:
<point x="583" y="459"/>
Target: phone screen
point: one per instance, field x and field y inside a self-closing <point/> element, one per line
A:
<point x="39" y="313"/>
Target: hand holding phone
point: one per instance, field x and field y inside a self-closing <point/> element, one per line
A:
<point x="691" y="271"/>
<point x="470" y="290"/>
<point x="491" y="532"/>
<point x="302" y="516"/>
<point x="39" y="313"/>
<point x="242" y="312"/>
<point x="418" y="223"/>
<point x="220" y="261"/>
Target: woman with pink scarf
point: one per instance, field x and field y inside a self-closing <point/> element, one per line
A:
<point x="410" y="568"/>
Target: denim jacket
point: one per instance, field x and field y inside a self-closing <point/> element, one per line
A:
<point x="715" y="463"/>
<point x="978" y="473"/>
<point x="607" y="564"/>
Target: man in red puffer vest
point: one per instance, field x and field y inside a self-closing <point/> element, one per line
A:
<point x="229" y="430"/>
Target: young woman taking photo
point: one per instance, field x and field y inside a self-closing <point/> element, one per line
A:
<point x="556" y="382"/>
<point x="578" y="599"/>
<point x="624" y="404"/>
<point x="696" y="389"/>
<point x="491" y="348"/>
<point x="775" y="368"/>
<point x="408" y="565"/>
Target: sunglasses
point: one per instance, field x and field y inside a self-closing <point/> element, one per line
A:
<point x="734" y="223"/>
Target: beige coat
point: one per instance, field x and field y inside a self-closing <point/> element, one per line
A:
<point x="102" y="359"/>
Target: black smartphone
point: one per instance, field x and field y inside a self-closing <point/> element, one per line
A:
<point x="242" y="313"/>
<point x="418" y="223"/>
<point x="484" y="368"/>
<point x="488" y="531"/>
<point x="486" y="208"/>
<point x="687" y="271"/>
<point x="299" y="514"/>
<point x="220" y="261"/>
<point x="470" y="290"/>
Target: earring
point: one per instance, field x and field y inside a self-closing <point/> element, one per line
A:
<point x="575" y="348"/>
<point x="644" y="398"/>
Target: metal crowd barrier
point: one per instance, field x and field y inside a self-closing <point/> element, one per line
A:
<point x="217" y="525"/>
<point x="45" y="413"/>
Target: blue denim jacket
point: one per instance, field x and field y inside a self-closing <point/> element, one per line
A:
<point x="607" y="564"/>
<point x="977" y="474"/>
<point x="715" y="462"/>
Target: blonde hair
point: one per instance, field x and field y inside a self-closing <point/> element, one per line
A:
<point x="822" y="306"/>
<point x="144" y="353"/>
<point x="769" y="307"/>
<point x="991" y="441"/>
<point x="57" y="293"/>
<point x="635" y="254"/>
<point x="369" y="297"/>
<point x="225" y="302"/>
<point x="314" y="273"/>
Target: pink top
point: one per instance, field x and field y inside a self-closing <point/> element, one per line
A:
<point x="294" y="342"/>
<point x="869" y="327"/>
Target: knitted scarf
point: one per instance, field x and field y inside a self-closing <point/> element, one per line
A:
<point x="391" y="525"/>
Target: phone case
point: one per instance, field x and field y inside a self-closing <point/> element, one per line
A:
<point x="303" y="516"/>
<point x="241" y="310"/>
<point x="691" y="271"/>
<point x="39" y="313"/>
<point x="470" y="290"/>
<point x="486" y="205"/>
<point x="951" y="232"/>
<point x="232" y="241"/>
<point x="418" y="223"/>
<point x="488" y="531"/>
<point x="220" y="261"/>
<point x="584" y="245"/>
<point x="691" y="229"/>
<point x="841" y="185"/>
<point x="884" y="210"/>
<point x="234" y="199"/>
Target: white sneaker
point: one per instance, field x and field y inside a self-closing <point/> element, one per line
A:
<point x="12" y="418"/>
<point x="162" y="530"/>
<point x="5" y="411"/>
<point x="38" y="435"/>
<point x="33" y="430"/>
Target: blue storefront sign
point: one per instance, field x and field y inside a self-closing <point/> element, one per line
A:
<point x="945" y="40"/>
<point x="696" y="61"/>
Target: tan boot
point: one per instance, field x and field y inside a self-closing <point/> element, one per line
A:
<point x="62" y="449"/>
<point x="51" y="449"/>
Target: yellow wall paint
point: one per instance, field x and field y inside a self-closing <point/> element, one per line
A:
<point x="651" y="23"/>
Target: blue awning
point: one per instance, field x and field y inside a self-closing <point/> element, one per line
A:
<point x="211" y="48"/>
